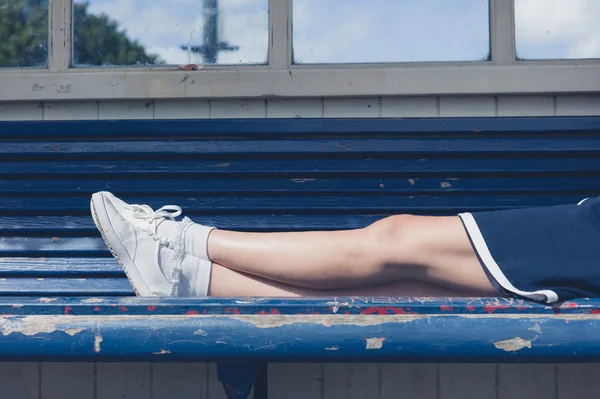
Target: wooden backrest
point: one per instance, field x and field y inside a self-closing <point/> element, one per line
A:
<point x="267" y="175"/>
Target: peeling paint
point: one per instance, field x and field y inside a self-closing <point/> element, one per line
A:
<point x="162" y="352"/>
<point x="536" y="328"/>
<point x="332" y="348"/>
<point x="274" y="321"/>
<point x="46" y="300"/>
<point x="200" y="332"/>
<point x="513" y="344"/>
<point x="302" y="180"/>
<point x="93" y="300"/>
<point x="445" y="184"/>
<point x="375" y="343"/>
<point x="97" y="341"/>
<point x="74" y="331"/>
<point x="411" y="181"/>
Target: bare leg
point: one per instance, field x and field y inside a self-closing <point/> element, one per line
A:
<point x="230" y="283"/>
<point x="427" y="249"/>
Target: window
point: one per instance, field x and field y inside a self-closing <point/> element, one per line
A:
<point x="68" y="50"/>
<point x="23" y="33"/>
<point x="374" y="31"/>
<point x="156" y="32"/>
<point x="557" y="29"/>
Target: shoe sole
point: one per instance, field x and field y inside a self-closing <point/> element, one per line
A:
<point x="102" y="222"/>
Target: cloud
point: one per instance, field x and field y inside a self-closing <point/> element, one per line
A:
<point x="163" y="27"/>
<point x="339" y="31"/>
<point x="557" y="28"/>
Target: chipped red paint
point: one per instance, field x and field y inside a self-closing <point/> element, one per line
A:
<point x="274" y="311"/>
<point x="191" y="312"/>
<point x="122" y="308"/>
<point x="96" y="308"/>
<point x="68" y="309"/>
<point x="152" y="308"/>
<point x="492" y="308"/>
<point x="522" y="307"/>
<point x="448" y="308"/>
<point x="471" y="308"/>
<point x="384" y="310"/>
<point x="346" y="312"/>
<point x="571" y="305"/>
<point x="595" y="311"/>
<point x="232" y="310"/>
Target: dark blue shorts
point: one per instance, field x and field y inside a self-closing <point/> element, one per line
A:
<point x="545" y="254"/>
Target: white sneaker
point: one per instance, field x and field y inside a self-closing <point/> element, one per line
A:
<point x="149" y="250"/>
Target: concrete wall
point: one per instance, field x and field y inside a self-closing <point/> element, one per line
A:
<point x="295" y="381"/>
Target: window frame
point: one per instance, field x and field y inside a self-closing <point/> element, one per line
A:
<point x="503" y="74"/>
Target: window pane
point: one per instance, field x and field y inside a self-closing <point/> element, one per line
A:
<point x="23" y="33"/>
<point x="359" y="31"/>
<point x="158" y="32"/>
<point x="557" y="29"/>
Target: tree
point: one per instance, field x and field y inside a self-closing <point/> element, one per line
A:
<point x="97" y="40"/>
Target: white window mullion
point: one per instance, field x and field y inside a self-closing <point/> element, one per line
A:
<point x="280" y="38"/>
<point x="59" y="35"/>
<point x="502" y="31"/>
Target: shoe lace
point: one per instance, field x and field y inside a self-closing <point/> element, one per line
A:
<point x="154" y="218"/>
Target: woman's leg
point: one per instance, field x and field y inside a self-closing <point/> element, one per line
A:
<point x="432" y="250"/>
<point x="225" y="282"/>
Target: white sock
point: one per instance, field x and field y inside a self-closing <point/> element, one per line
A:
<point x="195" y="277"/>
<point x="196" y="240"/>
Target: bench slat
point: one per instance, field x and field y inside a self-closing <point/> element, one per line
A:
<point x="305" y="126"/>
<point x="36" y="247"/>
<point x="298" y="204"/>
<point x="241" y="186"/>
<point x="312" y="148"/>
<point x="367" y="306"/>
<point x="410" y="168"/>
<point x="65" y="287"/>
<point x="66" y="267"/>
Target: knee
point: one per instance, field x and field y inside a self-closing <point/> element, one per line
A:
<point x="394" y="237"/>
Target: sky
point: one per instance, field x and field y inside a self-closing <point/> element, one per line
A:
<point x="340" y="31"/>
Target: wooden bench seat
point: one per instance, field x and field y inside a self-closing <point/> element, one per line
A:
<point x="62" y="297"/>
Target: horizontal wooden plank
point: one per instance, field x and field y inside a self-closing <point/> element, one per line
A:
<point x="372" y="307"/>
<point x="66" y="267"/>
<point x="292" y="126"/>
<point x="33" y="247"/>
<point x="84" y="225"/>
<point x="202" y="205"/>
<point x="302" y="338"/>
<point x="176" y="168"/>
<point x="65" y="287"/>
<point x="327" y="185"/>
<point x="320" y="148"/>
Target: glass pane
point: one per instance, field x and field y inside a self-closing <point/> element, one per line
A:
<point x="359" y="31"/>
<point x="23" y="33"/>
<point x="557" y="29"/>
<point x="158" y="32"/>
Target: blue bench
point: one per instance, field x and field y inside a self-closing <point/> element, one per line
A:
<point x="63" y="298"/>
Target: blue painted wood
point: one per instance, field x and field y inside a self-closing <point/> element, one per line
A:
<point x="276" y="175"/>
<point x="324" y="306"/>
<point x="279" y="127"/>
<point x="247" y="168"/>
<point x="60" y="267"/>
<point x="323" y="148"/>
<point x="287" y="203"/>
<point x="313" y="338"/>
<point x="52" y="286"/>
<point x="306" y="186"/>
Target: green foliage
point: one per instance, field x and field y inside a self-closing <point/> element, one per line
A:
<point x="97" y="40"/>
<point x="23" y="33"/>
